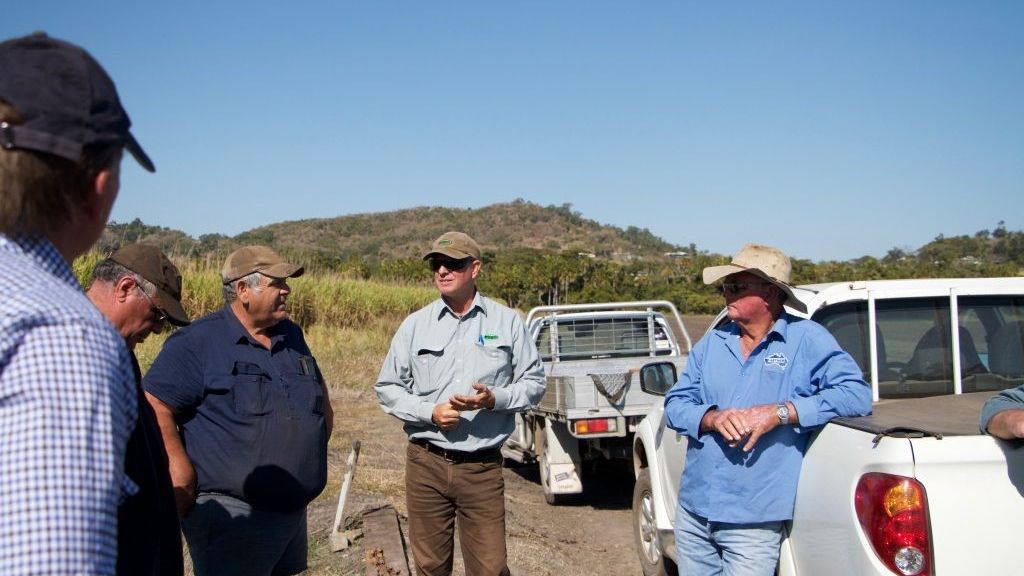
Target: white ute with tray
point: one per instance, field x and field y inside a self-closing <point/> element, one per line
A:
<point x="592" y="354"/>
<point x="914" y="488"/>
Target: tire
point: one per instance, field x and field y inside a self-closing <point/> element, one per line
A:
<point x="542" y="463"/>
<point x="645" y="530"/>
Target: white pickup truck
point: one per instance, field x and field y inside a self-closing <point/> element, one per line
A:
<point x="912" y="489"/>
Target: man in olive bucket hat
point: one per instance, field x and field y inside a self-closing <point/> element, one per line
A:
<point x="753" y="390"/>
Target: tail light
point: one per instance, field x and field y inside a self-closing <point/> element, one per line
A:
<point x="595" y="426"/>
<point x="893" y="512"/>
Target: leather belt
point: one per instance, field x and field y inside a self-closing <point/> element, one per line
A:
<point x="458" y="456"/>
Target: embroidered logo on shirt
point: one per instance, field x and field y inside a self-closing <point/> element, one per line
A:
<point x="777" y="360"/>
<point x="490" y="336"/>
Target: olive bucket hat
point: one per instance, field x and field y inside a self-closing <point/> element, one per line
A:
<point x="765" y="262"/>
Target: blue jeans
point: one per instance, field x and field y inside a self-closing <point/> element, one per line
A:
<point x="226" y="537"/>
<point x="705" y="548"/>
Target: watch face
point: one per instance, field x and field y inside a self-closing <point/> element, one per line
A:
<point x="783" y="413"/>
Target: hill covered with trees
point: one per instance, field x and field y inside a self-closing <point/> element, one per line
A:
<point x="541" y="255"/>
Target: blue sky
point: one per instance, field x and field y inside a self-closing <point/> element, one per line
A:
<point x="831" y="130"/>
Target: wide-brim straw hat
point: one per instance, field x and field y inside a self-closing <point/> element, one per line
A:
<point x="765" y="262"/>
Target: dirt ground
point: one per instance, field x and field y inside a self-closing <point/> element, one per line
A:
<point x="590" y="535"/>
<point x="567" y="540"/>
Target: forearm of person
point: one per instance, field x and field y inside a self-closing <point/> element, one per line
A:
<point x="1008" y="424"/>
<point x="841" y="392"/>
<point x="396" y="399"/>
<point x="1011" y="399"/>
<point x="685" y="409"/>
<point x="183" y="474"/>
<point x="523" y="393"/>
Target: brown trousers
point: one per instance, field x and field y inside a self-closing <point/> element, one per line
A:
<point x="437" y="492"/>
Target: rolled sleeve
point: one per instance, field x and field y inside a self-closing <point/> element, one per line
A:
<point x="1012" y="399"/>
<point x="840" y="385"/>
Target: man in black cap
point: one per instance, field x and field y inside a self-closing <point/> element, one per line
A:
<point x="139" y="290"/>
<point x="67" y="392"/>
<point x="254" y="416"/>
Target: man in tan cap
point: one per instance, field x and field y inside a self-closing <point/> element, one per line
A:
<point x="753" y="390"/>
<point x="139" y="290"/>
<point x="254" y="417"/>
<point x="456" y="373"/>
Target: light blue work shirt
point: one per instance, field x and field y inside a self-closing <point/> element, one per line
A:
<point x="798" y="360"/>
<point x="436" y="354"/>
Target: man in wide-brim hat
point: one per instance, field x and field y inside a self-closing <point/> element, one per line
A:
<point x="753" y="390"/>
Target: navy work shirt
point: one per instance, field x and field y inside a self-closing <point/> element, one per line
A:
<point x="251" y="419"/>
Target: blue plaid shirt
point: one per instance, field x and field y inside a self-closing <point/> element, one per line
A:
<point x="67" y="407"/>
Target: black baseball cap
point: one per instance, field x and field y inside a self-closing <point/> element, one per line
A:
<point x="65" y="97"/>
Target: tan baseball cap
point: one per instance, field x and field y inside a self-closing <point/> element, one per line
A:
<point x="456" y="245"/>
<point x="249" y="259"/>
<point x="766" y="262"/>
<point x="150" y="263"/>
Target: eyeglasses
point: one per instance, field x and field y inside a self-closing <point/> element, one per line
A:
<point x="738" y="287"/>
<point x="157" y="311"/>
<point x="450" y="264"/>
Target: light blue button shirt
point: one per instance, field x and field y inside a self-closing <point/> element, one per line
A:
<point x="799" y="361"/>
<point x="435" y="355"/>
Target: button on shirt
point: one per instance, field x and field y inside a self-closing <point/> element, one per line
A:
<point x="251" y="418"/>
<point x="435" y="355"/>
<point x="798" y="361"/>
<point x="67" y="407"/>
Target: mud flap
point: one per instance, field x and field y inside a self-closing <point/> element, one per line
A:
<point x="561" y="460"/>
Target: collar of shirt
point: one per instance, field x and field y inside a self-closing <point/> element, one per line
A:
<point x="441" y="307"/>
<point x="778" y="331"/>
<point x="240" y="334"/>
<point x="44" y="253"/>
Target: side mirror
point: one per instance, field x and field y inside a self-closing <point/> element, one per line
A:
<point x="657" y="377"/>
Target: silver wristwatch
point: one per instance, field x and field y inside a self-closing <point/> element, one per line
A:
<point x="782" y="411"/>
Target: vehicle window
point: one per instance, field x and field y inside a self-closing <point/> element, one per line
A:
<point x="996" y="324"/>
<point x="915" y="344"/>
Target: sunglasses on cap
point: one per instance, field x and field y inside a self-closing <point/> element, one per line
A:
<point x="450" y="264"/>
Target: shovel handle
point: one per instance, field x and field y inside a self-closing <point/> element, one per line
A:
<point x="350" y="468"/>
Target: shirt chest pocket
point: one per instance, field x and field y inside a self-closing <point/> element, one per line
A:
<point x="493" y="365"/>
<point x="425" y="372"/>
<point x="250" y="389"/>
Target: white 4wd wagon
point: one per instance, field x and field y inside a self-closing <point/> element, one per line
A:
<point x="914" y="488"/>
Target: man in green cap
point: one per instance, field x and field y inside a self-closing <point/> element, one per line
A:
<point x="456" y="373"/>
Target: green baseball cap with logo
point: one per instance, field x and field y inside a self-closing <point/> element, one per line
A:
<point x="150" y="263"/>
<point x="455" y="245"/>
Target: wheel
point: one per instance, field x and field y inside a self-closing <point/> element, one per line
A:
<point x="645" y="530"/>
<point x="539" y="448"/>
